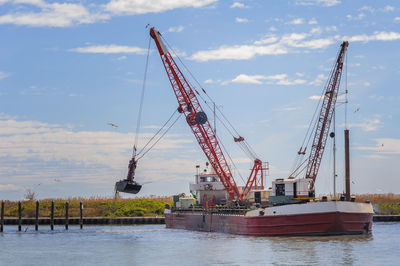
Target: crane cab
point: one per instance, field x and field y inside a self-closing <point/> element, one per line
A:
<point x="207" y="186"/>
<point x="290" y="190"/>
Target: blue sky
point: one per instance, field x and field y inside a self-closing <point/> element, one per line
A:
<point x="68" y="68"/>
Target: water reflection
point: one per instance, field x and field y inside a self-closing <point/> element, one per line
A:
<point x="151" y="245"/>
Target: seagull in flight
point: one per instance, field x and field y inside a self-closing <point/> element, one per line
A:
<point x="113" y="125"/>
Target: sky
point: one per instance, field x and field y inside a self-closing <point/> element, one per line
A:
<point x="69" y="68"/>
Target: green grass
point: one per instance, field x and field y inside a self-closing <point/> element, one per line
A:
<point x="388" y="208"/>
<point x="95" y="207"/>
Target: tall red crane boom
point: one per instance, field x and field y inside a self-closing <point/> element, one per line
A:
<point x="197" y="120"/>
<point x="325" y="116"/>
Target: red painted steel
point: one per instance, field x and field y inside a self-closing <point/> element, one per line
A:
<point x="325" y="117"/>
<point x="329" y="223"/>
<point x="197" y="120"/>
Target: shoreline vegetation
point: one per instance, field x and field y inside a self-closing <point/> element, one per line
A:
<point x="92" y="207"/>
<point x="384" y="204"/>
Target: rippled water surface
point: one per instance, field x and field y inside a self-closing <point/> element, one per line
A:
<point x="155" y="245"/>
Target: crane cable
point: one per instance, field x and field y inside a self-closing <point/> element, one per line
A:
<point x="173" y="123"/>
<point x="143" y="152"/>
<point x="312" y="125"/>
<point x="246" y="147"/>
<point x="142" y="98"/>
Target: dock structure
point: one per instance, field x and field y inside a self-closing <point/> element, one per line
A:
<point x="386" y="218"/>
<point x="86" y="221"/>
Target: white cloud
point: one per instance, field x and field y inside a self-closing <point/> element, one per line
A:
<point x="368" y="124"/>
<point x="34" y="150"/>
<point x="266" y="40"/>
<point x="397" y="19"/>
<point x="315" y="97"/>
<point x="272" y="28"/>
<point x="331" y="28"/>
<point x="274" y="46"/>
<point x="110" y="49"/>
<point x="316" y="30"/>
<point x="367" y="8"/>
<point x="176" y="29"/>
<point x="9" y="186"/>
<point x="241" y="20"/>
<point x="370" y="9"/>
<point x="237" y="52"/>
<point x="312" y="21"/>
<point x="377" y="36"/>
<point x="208" y="81"/>
<point x="358" y="17"/>
<point x="388" y="8"/>
<point x="52" y="15"/>
<point x="296" y="21"/>
<point x="279" y="79"/>
<point x="4" y="75"/>
<point x="318" y="97"/>
<point x="287" y="43"/>
<point x="327" y="3"/>
<point x="122" y="58"/>
<point x="243" y="78"/>
<point x="318" y="80"/>
<point x="238" y="5"/>
<point x="134" y="7"/>
<point x="383" y="146"/>
<point x="316" y="43"/>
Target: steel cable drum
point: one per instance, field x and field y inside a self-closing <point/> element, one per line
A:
<point x="201" y="118"/>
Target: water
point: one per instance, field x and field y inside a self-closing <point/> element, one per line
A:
<point x="156" y="245"/>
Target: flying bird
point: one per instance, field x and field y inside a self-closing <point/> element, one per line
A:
<point x="113" y="125"/>
<point x="358" y="109"/>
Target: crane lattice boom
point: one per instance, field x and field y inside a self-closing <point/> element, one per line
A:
<point x="197" y="120"/>
<point x="325" y="117"/>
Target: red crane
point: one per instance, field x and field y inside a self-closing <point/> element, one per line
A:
<point x="197" y="120"/>
<point x="325" y="117"/>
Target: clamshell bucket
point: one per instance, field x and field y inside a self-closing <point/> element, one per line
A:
<point x="127" y="186"/>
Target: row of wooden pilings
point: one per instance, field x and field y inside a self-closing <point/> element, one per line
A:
<point x="37" y="216"/>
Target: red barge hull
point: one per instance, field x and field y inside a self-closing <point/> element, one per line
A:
<point x="301" y="219"/>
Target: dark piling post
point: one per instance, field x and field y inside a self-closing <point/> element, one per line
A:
<point x="2" y="216"/>
<point x="19" y="216"/>
<point x="347" y="163"/>
<point x="52" y="215"/>
<point x="37" y="216"/>
<point x="66" y="215"/>
<point x="81" y="214"/>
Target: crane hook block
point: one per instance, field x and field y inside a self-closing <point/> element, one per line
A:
<point x="201" y="118"/>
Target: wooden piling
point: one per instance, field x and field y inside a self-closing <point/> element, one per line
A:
<point x="347" y="163"/>
<point x="66" y="215"/>
<point x="19" y="216"/>
<point x="81" y="214"/>
<point x="2" y="216"/>
<point x="52" y="216"/>
<point x="37" y="216"/>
